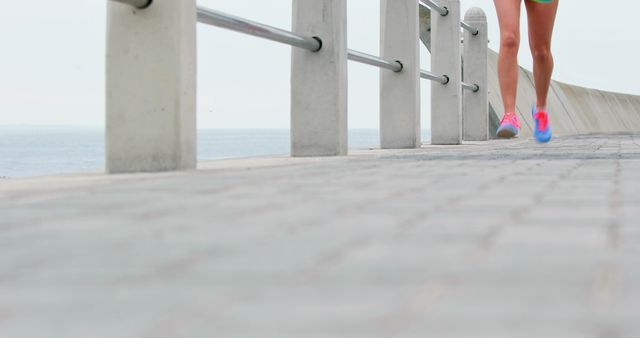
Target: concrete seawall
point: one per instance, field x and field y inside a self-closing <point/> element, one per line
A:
<point x="574" y="110"/>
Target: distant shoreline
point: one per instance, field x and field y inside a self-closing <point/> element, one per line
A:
<point x="30" y="151"/>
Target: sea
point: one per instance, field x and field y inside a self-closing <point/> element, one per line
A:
<point x="29" y="151"/>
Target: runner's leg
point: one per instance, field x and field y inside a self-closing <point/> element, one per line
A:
<point x="509" y="20"/>
<point x="541" y="17"/>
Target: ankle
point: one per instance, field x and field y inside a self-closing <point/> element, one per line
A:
<point x="541" y="109"/>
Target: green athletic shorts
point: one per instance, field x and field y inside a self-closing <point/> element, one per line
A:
<point x="542" y="1"/>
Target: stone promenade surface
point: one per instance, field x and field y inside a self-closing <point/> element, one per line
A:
<point x="499" y="239"/>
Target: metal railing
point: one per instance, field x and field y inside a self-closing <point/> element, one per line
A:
<point x="443" y="79"/>
<point x="314" y="44"/>
<point x="470" y="86"/>
<point x="443" y="10"/>
<point x="224" y="20"/>
<point x="318" y="78"/>
<point x="371" y="60"/>
<point x="473" y="30"/>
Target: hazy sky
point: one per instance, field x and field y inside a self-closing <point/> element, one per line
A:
<point x="52" y="60"/>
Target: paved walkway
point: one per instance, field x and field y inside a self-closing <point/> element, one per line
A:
<point x="417" y="243"/>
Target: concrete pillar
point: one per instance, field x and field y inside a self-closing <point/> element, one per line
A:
<point x="400" y="92"/>
<point x="319" y="80"/>
<point x="446" y="103"/>
<point x="475" y="105"/>
<point x="151" y="87"/>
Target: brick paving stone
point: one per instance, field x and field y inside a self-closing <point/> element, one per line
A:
<point x="495" y="239"/>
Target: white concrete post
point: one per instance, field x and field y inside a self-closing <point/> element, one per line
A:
<point x="475" y="105"/>
<point x="446" y="103"/>
<point x="400" y="92"/>
<point x="319" y="80"/>
<point x="151" y="87"/>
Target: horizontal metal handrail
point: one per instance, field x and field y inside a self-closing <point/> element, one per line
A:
<point x="470" y="86"/>
<point x="433" y="77"/>
<point x="365" y="58"/>
<point x="137" y="3"/>
<point x="473" y="30"/>
<point x="444" y="11"/>
<point x="220" y="19"/>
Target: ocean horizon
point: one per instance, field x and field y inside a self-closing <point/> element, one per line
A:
<point x="30" y="151"/>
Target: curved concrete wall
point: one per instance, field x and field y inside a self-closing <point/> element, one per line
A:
<point x="573" y="109"/>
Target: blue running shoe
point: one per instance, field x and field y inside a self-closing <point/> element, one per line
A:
<point x="509" y="126"/>
<point x="542" y="131"/>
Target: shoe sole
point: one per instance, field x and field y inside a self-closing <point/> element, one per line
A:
<point x="506" y="133"/>
<point x="543" y="138"/>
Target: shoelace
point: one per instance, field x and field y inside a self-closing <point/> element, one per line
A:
<point x="512" y="119"/>
<point x="543" y="120"/>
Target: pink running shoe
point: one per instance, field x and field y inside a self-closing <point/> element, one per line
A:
<point x="509" y="126"/>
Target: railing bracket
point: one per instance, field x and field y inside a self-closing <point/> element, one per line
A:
<point x="139" y="4"/>
<point x="401" y="67"/>
<point x="319" y="44"/>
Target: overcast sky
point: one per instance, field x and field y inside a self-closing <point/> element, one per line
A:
<point x="52" y="60"/>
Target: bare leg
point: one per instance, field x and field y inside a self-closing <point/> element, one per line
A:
<point x="541" y="20"/>
<point x="509" y="19"/>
